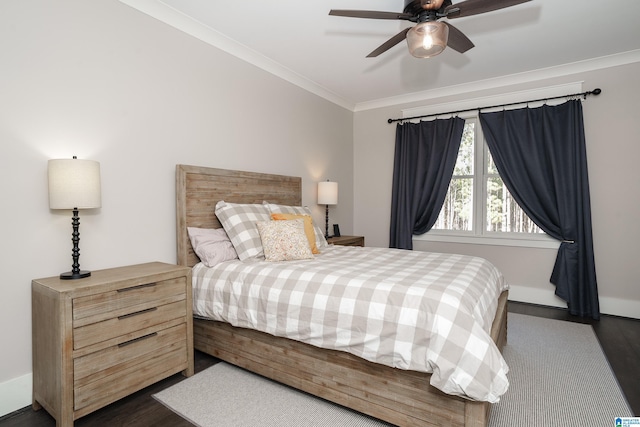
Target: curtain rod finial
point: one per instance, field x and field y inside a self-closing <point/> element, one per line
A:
<point x="597" y="91"/>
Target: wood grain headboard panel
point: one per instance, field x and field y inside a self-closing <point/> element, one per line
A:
<point x="198" y="189"/>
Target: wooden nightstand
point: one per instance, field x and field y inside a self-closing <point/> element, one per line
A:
<point x="346" y="240"/>
<point x="98" y="339"/>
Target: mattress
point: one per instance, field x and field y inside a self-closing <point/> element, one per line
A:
<point x="421" y="311"/>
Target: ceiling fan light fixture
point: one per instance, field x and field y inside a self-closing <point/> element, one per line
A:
<point x="427" y="39"/>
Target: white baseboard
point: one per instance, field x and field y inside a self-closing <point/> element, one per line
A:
<point x="612" y="306"/>
<point x="15" y="394"/>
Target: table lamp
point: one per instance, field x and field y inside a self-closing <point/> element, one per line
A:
<point x="74" y="184"/>
<point x="327" y="195"/>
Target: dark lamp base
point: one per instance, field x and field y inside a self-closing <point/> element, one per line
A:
<point x="70" y="275"/>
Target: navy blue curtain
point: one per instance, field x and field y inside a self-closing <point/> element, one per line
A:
<point x="541" y="156"/>
<point x="425" y="157"/>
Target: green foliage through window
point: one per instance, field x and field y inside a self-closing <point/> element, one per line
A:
<point x="499" y="211"/>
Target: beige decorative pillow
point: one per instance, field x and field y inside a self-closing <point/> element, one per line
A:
<point x="298" y="210"/>
<point x="284" y="240"/>
<point x="308" y="227"/>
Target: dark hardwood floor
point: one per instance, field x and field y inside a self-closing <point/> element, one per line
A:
<point x="137" y="410"/>
<point x="619" y="338"/>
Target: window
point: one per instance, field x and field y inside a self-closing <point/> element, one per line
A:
<point x="464" y="217"/>
<point x="478" y="204"/>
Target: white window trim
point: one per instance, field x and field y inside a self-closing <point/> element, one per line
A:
<point x="542" y="241"/>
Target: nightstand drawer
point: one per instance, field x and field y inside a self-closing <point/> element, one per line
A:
<point x="126" y="323"/>
<point x="105" y="376"/>
<point x="103" y="337"/>
<point x="106" y="305"/>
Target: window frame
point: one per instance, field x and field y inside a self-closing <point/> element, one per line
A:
<point x="479" y="235"/>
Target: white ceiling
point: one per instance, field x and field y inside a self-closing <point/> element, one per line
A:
<point x="299" y="41"/>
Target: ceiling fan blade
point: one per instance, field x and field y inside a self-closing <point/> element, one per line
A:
<point x="475" y="7"/>
<point x="457" y="40"/>
<point x="389" y="43"/>
<point x="370" y="14"/>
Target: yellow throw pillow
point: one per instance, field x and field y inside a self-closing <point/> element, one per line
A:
<point x="308" y="227"/>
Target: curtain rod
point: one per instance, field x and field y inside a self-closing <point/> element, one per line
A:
<point x="596" y="91"/>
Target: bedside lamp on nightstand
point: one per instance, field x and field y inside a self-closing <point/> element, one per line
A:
<point x="74" y="184"/>
<point x="327" y="195"/>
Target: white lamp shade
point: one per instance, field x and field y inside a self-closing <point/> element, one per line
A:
<point x="327" y="193"/>
<point x="74" y="183"/>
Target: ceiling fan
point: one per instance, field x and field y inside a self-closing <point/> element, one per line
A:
<point x="430" y="36"/>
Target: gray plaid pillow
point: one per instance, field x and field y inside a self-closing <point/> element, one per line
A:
<point x="239" y="221"/>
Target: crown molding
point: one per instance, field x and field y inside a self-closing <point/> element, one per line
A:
<point x="165" y="13"/>
<point x="508" y="80"/>
<point x="170" y="16"/>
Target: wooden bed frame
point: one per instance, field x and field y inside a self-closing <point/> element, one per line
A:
<point x="397" y="396"/>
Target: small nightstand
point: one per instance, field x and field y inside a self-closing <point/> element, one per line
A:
<point x="101" y="338"/>
<point x="346" y="240"/>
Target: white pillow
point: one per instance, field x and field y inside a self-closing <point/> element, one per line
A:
<point x="284" y="240"/>
<point x="239" y="221"/>
<point x="211" y="245"/>
<point x="321" y="242"/>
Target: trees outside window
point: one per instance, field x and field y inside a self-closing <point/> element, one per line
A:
<point x="477" y="202"/>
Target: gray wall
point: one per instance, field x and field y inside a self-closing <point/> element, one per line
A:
<point x="99" y="80"/>
<point x="613" y="149"/>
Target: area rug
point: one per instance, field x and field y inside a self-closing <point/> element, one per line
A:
<point x="558" y="376"/>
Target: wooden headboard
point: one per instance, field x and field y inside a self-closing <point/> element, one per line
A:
<point x="198" y="189"/>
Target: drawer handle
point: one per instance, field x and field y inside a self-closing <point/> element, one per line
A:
<point x="135" y="340"/>
<point x="148" y="310"/>
<point x="134" y="288"/>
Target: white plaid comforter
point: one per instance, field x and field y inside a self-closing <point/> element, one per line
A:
<point x="411" y="310"/>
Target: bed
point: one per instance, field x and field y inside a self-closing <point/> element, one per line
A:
<point x="398" y="396"/>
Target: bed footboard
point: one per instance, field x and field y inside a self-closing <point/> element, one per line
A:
<point x="397" y="396"/>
